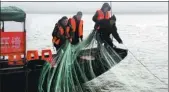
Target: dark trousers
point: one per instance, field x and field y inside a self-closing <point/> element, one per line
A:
<point x="105" y="38"/>
<point x="108" y="41"/>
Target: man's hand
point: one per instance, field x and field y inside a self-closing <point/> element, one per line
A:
<point x="112" y="22"/>
<point x="96" y="27"/>
<point x="70" y="39"/>
<point x="81" y="38"/>
<point x="121" y="42"/>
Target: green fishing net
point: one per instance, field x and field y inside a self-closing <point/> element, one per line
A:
<point x="75" y="65"/>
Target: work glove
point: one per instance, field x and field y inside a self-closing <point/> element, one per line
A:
<point x="121" y="42"/>
<point x="70" y="39"/>
<point x="81" y="38"/>
<point x="96" y="27"/>
<point x="112" y="22"/>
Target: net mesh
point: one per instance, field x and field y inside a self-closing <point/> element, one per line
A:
<point x="75" y="65"/>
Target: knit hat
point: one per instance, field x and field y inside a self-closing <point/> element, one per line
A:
<point x="106" y="5"/>
<point x="79" y="13"/>
<point x="64" y="17"/>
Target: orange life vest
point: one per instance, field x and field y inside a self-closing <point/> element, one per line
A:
<point x="61" y="32"/>
<point x="73" y="23"/>
<point x="101" y="15"/>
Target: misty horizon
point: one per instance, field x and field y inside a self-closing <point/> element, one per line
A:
<point x="90" y="7"/>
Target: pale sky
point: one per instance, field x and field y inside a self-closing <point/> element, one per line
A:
<point x="89" y="7"/>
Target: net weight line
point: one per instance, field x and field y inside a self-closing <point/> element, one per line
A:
<point x="145" y="66"/>
<point x="139" y="60"/>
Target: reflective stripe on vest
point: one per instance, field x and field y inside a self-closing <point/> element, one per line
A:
<point x="101" y="15"/>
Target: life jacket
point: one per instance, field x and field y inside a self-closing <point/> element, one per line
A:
<point x="61" y="31"/>
<point x="80" y="30"/>
<point x="101" y="15"/>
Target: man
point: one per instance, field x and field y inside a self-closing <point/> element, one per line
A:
<point x="61" y="32"/>
<point x="77" y="25"/>
<point x="102" y="15"/>
<point x="108" y="28"/>
<point x="105" y="25"/>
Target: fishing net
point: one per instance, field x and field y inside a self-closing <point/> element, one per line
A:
<point x="75" y="65"/>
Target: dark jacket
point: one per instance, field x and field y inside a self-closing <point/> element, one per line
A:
<point x="106" y="29"/>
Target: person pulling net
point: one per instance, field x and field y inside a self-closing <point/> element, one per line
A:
<point x="75" y="65"/>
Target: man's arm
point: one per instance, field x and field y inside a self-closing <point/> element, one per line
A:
<point x="81" y="37"/>
<point x="115" y="34"/>
<point x="95" y="17"/>
<point x="54" y="33"/>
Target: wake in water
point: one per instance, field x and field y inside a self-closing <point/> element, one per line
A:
<point x="74" y="66"/>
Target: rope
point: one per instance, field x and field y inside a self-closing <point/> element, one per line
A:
<point x="140" y="61"/>
<point x="111" y="8"/>
<point x="146" y="67"/>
